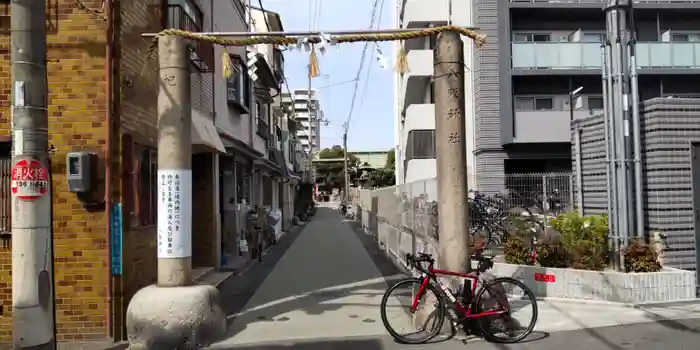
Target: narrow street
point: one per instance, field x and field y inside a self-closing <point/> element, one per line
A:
<point x="320" y="288"/>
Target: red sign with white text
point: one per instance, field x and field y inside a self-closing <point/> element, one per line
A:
<point x="30" y="180"/>
<point x="544" y="277"/>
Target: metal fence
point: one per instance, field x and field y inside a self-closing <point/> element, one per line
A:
<point x="404" y="217"/>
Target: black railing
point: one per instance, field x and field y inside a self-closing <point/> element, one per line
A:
<point x="188" y="17"/>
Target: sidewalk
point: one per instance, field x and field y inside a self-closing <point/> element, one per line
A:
<point x="321" y="288"/>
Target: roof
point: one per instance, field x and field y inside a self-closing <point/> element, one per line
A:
<point x="274" y="16"/>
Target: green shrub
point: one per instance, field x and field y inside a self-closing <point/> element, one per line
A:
<point x="551" y="251"/>
<point x="641" y="257"/>
<point x="584" y="239"/>
<point x="517" y="243"/>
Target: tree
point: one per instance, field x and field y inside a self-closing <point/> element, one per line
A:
<point x="390" y="159"/>
<point x="382" y="177"/>
<point x="332" y="172"/>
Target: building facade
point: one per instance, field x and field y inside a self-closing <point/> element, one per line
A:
<point x="254" y="172"/>
<point x="307" y="110"/>
<point x="414" y="103"/>
<point x="544" y="53"/>
<point x="103" y="100"/>
<point x="537" y="54"/>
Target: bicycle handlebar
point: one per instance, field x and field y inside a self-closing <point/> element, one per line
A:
<point x="416" y="261"/>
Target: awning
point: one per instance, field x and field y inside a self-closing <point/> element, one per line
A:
<point x="236" y="146"/>
<point x="278" y="157"/>
<point x="204" y="134"/>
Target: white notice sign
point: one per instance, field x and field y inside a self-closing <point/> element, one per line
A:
<point x="174" y="213"/>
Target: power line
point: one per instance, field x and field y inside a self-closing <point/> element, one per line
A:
<point x="264" y="13"/>
<point x="359" y="71"/>
<point x="369" y="69"/>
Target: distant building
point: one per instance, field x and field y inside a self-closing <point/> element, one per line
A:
<point x="299" y="102"/>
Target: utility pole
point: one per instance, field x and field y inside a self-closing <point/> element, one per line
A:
<point x="32" y="252"/>
<point x="312" y="176"/>
<point x="346" y="182"/>
<point x="174" y="165"/>
<point x="451" y="149"/>
<point x="191" y="311"/>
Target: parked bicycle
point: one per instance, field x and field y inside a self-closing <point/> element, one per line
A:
<point x="475" y="300"/>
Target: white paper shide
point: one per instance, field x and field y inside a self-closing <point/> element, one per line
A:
<point x="174" y="213"/>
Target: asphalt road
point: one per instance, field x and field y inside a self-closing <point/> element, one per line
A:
<point x="283" y="292"/>
<point x="667" y="335"/>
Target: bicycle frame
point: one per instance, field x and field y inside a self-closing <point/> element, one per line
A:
<point x="465" y="310"/>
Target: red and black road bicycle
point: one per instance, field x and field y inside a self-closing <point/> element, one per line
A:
<point x="481" y="300"/>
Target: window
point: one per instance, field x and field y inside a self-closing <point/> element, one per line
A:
<point x="267" y="191"/>
<point x="680" y="37"/>
<point x="420" y="144"/>
<point x="592" y="37"/>
<point x="263" y="120"/>
<point x="534" y="103"/>
<point x="186" y="15"/>
<point x="242" y="182"/>
<point x="238" y="85"/>
<point x="145" y="186"/>
<point x="278" y="62"/>
<point x="595" y="103"/>
<point x="530" y="37"/>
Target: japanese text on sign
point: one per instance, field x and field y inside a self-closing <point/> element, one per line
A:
<point x="174" y="213"/>
<point x="30" y="180"/>
<point x="544" y="277"/>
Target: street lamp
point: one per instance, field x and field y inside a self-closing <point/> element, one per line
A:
<point x="573" y="95"/>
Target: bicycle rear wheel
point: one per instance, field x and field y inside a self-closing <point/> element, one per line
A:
<point x="397" y="311"/>
<point x="496" y="295"/>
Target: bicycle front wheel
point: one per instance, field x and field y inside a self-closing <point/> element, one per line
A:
<point x="410" y="322"/>
<point x="518" y="302"/>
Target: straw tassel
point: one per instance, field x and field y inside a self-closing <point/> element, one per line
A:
<point x="313" y="63"/>
<point x="401" y="66"/>
<point x="226" y="65"/>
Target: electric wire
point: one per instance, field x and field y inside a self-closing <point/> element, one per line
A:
<point x="359" y="71"/>
<point x="371" y="58"/>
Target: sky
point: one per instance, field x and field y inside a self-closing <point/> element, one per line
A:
<point x="371" y="124"/>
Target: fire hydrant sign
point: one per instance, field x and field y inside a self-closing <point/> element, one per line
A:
<point x="30" y="180"/>
<point x="174" y="213"/>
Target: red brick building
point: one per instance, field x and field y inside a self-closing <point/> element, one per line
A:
<point x="102" y="99"/>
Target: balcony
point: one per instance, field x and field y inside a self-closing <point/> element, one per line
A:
<point x="418" y="13"/>
<point x="668" y="55"/>
<point x="416" y="80"/>
<point x="550" y="55"/>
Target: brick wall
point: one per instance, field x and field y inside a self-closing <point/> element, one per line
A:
<point x="76" y="123"/>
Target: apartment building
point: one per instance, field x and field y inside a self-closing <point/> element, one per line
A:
<point x="414" y="102"/>
<point x="307" y="110"/>
<point x="544" y="52"/>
